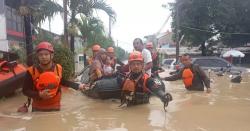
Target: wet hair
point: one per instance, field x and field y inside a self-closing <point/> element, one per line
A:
<point x="138" y="39"/>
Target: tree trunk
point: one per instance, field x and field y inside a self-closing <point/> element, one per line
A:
<point x="203" y="49"/>
<point x="72" y="37"/>
<point x="65" y="22"/>
<point x="72" y="43"/>
<point x="28" y="39"/>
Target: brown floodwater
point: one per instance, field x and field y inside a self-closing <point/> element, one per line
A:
<point x="226" y="108"/>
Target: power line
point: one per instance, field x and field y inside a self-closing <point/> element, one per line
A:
<point x="202" y="30"/>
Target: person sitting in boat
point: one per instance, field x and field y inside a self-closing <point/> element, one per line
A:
<point x="100" y="67"/>
<point x="112" y="57"/>
<point x="139" y="46"/>
<point x="42" y="82"/>
<point x="95" y="49"/>
<point x="138" y="86"/>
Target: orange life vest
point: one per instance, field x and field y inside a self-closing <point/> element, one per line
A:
<point x="187" y="77"/>
<point x="131" y="85"/>
<point x="41" y="81"/>
<point x="130" y="95"/>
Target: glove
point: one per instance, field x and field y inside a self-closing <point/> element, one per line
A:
<point x="167" y="98"/>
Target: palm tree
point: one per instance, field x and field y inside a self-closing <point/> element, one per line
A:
<point x="92" y="31"/>
<point x="65" y="21"/>
<point x="87" y="8"/>
<point x="90" y="28"/>
<point x="35" y="11"/>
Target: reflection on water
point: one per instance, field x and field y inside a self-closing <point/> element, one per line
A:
<point x="226" y="108"/>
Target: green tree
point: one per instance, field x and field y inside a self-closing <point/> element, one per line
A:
<point x="121" y="54"/>
<point x="92" y="31"/>
<point x="193" y="14"/>
<point x="34" y="12"/>
<point x="232" y="20"/>
<point x="85" y="7"/>
<point x="202" y="19"/>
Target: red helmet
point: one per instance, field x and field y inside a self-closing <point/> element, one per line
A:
<point x="110" y="49"/>
<point x="96" y="47"/>
<point x="49" y="81"/>
<point x="135" y="56"/>
<point x="149" y="45"/>
<point x="44" y="46"/>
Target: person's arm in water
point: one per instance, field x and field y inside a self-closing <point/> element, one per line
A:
<point x="174" y="77"/>
<point x="71" y="84"/>
<point x="204" y="78"/>
<point x="155" y="90"/>
<point x="30" y="91"/>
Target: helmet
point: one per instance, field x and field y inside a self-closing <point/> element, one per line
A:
<point x="49" y="81"/>
<point x="135" y="56"/>
<point x="96" y="47"/>
<point x="149" y="45"/>
<point x="44" y="46"/>
<point x="110" y="49"/>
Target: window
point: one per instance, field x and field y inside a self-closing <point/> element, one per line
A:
<point x="81" y="58"/>
<point x="220" y="63"/>
<point x="202" y="62"/>
<point x="211" y="62"/>
<point x="168" y="62"/>
<point x="13" y="20"/>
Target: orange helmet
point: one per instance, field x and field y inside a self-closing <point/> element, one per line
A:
<point x="135" y="56"/>
<point x="44" y="46"/>
<point x="96" y="47"/>
<point x="49" y="81"/>
<point x="110" y="49"/>
<point x="149" y="45"/>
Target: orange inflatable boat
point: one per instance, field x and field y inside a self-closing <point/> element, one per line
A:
<point x="12" y="76"/>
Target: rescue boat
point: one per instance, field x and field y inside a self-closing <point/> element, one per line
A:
<point x="109" y="87"/>
<point x="12" y="76"/>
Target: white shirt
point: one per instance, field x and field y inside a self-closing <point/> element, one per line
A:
<point x="147" y="58"/>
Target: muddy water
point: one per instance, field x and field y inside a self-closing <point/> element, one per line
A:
<point x="226" y="108"/>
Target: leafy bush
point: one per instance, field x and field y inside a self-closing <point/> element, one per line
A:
<point x="64" y="57"/>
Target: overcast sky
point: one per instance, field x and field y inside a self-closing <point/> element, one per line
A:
<point x="135" y="18"/>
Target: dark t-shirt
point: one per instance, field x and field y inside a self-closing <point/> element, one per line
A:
<point x="200" y="78"/>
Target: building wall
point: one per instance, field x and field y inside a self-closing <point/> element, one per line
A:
<point x="3" y="36"/>
<point x="166" y="39"/>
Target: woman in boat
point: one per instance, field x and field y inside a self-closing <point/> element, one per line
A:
<point x="101" y="66"/>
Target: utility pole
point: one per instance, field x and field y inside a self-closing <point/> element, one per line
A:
<point x="28" y="38"/>
<point x="110" y="24"/>
<point x="177" y="31"/>
<point x="65" y="21"/>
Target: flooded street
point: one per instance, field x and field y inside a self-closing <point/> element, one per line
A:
<point x="225" y="108"/>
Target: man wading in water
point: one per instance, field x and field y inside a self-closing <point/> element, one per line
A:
<point x="194" y="78"/>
